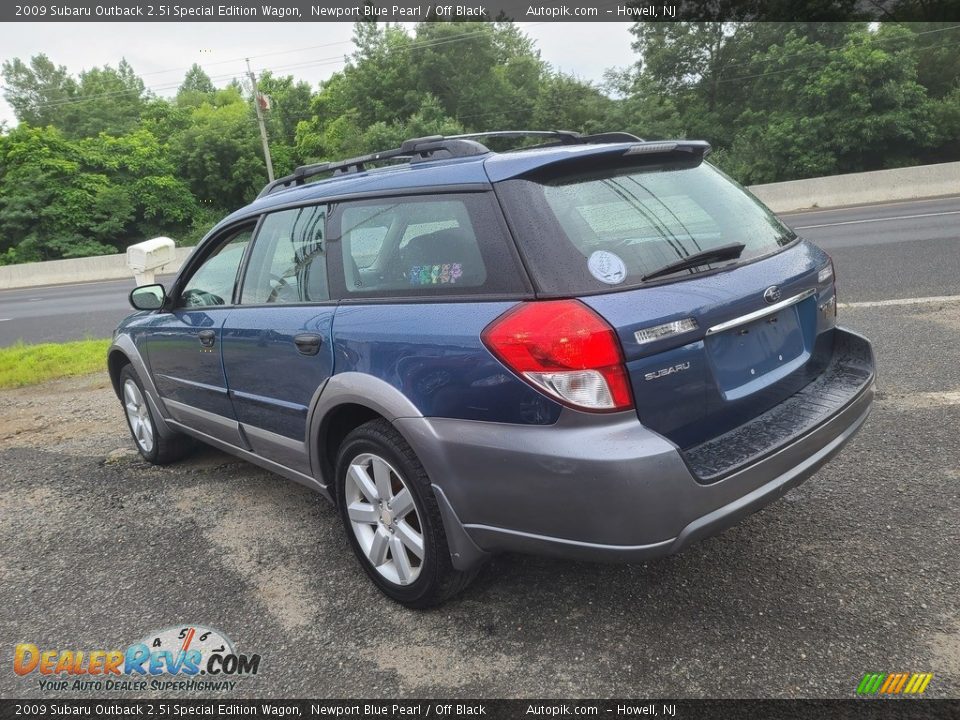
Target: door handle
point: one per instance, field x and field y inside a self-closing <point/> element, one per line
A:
<point x="207" y="337"/>
<point x="308" y="343"/>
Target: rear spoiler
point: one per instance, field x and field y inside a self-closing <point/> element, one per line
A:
<point x="652" y="154"/>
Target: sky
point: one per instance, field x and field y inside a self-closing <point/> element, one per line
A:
<point x="161" y="52"/>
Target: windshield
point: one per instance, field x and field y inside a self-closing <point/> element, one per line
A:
<point x="617" y="226"/>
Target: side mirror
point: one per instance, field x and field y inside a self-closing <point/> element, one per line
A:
<point x="148" y="297"/>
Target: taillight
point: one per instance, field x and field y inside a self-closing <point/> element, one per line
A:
<point x="564" y="349"/>
<point x="828" y="274"/>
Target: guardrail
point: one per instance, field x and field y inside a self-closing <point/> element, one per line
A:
<point x="911" y="183"/>
<point x="77" y="270"/>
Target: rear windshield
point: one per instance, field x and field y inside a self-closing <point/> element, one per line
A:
<point x="608" y="229"/>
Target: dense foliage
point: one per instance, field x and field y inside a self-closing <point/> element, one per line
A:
<point x="98" y="162"/>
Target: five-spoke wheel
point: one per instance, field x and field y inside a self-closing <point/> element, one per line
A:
<point x="392" y="517"/>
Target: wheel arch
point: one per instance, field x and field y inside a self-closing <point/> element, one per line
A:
<point x="347" y="401"/>
<point x="124" y="352"/>
<point x="116" y="360"/>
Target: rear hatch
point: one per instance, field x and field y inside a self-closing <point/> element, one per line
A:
<point x="742" y="355"/>
<point x="721" y="311"/>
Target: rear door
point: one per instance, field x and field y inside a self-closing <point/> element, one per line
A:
<point x="183" y="346"/>
<point x="277" y="350"/>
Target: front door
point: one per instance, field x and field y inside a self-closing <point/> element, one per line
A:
<point x="277" y="345"/>
<point x="183" y="345"/>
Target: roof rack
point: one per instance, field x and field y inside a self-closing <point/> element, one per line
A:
<point x="424" y="148"/>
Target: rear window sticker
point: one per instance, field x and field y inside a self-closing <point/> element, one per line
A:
<point x="607" y="267"/>
<point x="435" y="274"/>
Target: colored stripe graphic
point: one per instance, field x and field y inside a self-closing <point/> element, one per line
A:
<point x="866" y="686"/>
<point x="894" y="683"/>
<point x="891" y="680"/>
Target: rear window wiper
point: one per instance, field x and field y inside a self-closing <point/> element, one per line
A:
<point x="724" y="252"/>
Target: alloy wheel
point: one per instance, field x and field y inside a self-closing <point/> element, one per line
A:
<point x="384" y="518"/>
<point x="139" y="416"/>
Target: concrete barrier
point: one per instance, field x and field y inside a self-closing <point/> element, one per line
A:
<point x="912" y="183"/>
<point x="77" y="270"/>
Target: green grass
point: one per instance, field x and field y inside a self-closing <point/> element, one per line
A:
<point x="23" y="364"/>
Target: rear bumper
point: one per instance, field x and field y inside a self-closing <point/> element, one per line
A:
<point x="606" y="488"/>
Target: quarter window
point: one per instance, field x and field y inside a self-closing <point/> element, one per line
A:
<point x="416" y="246"/>
<point x="288" y="262"/>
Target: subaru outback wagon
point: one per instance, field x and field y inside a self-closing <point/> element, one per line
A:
<point x="595" y="347"/>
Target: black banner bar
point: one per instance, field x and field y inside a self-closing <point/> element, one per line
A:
<point x="518" y="10"/>
<point x="860" y="709"/>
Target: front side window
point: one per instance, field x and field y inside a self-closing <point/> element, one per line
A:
<point x="213" y="282"/>
<point x="288" y="264"/>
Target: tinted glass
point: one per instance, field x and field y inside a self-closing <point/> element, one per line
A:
<point x="213" y="282"/>
<point x="611" y="228"/>
<point x="287" y="264"/>
<point x="425" y="246"/>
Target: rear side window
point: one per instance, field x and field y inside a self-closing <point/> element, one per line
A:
<point x="592" y="231"/>
<point x="425" y="246"/>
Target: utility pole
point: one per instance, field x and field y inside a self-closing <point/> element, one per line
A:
<point x="263" y="127"/>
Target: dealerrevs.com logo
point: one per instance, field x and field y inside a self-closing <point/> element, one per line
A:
<point x="189" y="657"/>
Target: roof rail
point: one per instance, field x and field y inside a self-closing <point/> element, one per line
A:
<point x="421" y="149"/>
<point x="412" y="150"/>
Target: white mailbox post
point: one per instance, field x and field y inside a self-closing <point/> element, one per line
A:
<point x="149" y="256"/>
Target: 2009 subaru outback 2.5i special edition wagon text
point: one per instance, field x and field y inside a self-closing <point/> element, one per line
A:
<point x="596" y="347"/>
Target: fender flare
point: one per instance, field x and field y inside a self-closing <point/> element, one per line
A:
<point x="351" y="388"/>
<point x="355" y="388"/>
<point x="123" y="345"/>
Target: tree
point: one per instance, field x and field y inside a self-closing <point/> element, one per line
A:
<point x="40" y="92"/>
<point x="68" y="198"/>
<point x="108" y="101"/>
<point x="219" y="152"/>
<point x="196" y="80"/>
<point x="102" y="100"/>
<point x="848" y="109"/>
<point x="196" y="88"/>
<point x="565" y="103"/>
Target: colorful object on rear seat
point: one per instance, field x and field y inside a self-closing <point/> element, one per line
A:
<point x="435" y="274"/>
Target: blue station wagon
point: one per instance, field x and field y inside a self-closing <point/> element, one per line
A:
<point x="595" y="347"/>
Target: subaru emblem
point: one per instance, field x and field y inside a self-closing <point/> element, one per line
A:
<point x="772" y="294"/>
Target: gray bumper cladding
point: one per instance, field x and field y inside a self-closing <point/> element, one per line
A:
<point x="603" y="487"/>
<point x="850" y="370"/>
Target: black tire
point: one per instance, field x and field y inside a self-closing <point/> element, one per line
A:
<point x="159" y="450"/>
<point x="437" y="580"/>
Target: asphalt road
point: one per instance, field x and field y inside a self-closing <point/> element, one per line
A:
<point x="855" y="571"/>
<point x="57" y="313"/>
<point x="892" y="250"/>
